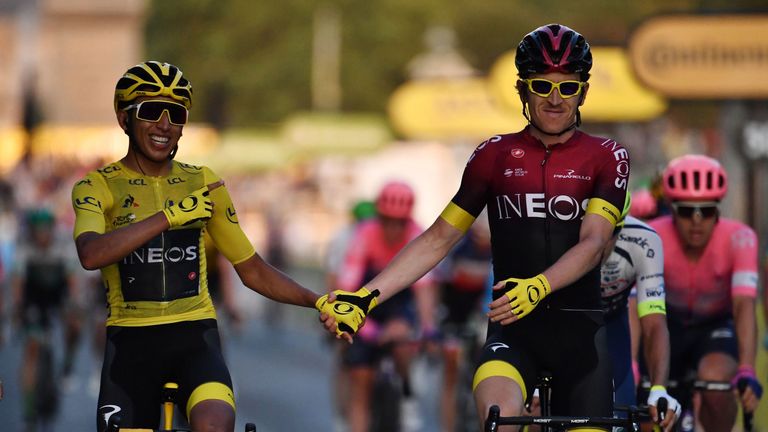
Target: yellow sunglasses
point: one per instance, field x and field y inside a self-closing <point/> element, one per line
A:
<point x="544" y="87"/>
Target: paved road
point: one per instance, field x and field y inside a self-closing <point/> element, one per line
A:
<point x="281" y="372"/>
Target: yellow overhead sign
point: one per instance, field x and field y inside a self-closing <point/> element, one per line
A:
<point x="451" y="109"/>
<point x="712" y="56"/>
<point x="614" y="94"/>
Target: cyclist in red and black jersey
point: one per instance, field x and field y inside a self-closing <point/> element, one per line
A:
<point x="553" y="195"/>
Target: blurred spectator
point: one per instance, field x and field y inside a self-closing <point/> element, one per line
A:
<point x="44" y="291"/>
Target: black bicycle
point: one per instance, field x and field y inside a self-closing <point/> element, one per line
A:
<point x="549" y="423"/>
<point x="169" y="406"/>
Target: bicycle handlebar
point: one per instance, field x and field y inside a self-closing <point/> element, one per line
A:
<point x="494" y="420"/>
<point x="746" y="417"/>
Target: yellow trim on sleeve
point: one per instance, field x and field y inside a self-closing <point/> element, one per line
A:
<point x="210" y="390"/>
<point x="651" y="307"/>
<point x="457" y="217"/>
<point x="502" y="369"/>
<point x="605" y="209"/>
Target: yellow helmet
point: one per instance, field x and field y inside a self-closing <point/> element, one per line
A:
<point x="152" y="78"/>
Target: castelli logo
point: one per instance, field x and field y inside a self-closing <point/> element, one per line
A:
<point x="518" y="153"/>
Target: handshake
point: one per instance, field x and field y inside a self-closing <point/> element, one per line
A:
<point x="347" y="310"/>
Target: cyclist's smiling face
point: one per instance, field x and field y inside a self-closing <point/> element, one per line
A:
<point x="553" y="113"/>
<point x="156" y="140"/>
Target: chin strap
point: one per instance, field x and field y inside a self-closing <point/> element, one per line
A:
<point x="573" y="125"/>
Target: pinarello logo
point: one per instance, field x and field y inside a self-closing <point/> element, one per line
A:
<point x="192" y="275"/>
<point x="517" y="153"/>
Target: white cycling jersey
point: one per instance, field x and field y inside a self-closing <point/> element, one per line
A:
<point x="637" y="261"/>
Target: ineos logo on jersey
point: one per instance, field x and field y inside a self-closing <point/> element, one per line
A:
<point x="535" y="205"/>
<point x="493" y="139"/>
<point x="622" y="157"/>
<point x="153" y="255"/>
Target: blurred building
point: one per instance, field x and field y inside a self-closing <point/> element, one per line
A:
<point x="58" y="63"/>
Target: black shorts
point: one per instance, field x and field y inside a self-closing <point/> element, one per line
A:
<point x="572" y="346"/>
<point x="139" y="360"/>
<point x="688" y="344"/>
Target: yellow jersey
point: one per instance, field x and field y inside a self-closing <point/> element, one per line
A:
<point x="165" y="280"/>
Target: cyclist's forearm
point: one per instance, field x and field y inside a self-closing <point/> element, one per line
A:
<point x="582" y="257"/>
<point x="270" y="282"/>
<point x="416" y="259"/>
<point x="100" y="250"/>
<point x="656" y="347"/>
<point x="746" y="329"/>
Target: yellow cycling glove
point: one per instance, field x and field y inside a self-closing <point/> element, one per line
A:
<point x="191" y="208"/>
<point x="526" y="294"/>
<point x="349" y="309"/>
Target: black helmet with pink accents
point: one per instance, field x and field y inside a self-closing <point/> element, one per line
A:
<point x="553" y="48"/>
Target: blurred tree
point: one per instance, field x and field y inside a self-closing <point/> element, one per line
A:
<point x="250" y="60"/>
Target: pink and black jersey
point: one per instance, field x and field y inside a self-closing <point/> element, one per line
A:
<point x="536" y="198"/>
<point x="702" y="291"/>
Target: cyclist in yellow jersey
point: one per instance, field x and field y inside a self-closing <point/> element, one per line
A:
<point x="141" y="221"/>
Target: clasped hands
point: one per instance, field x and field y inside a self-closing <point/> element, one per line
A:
<point x="344" y="312"/>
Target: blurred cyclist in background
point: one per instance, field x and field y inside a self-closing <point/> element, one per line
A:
<point x="463" y="276"/>
<point x="710" y="272"/>
<point x="339" y="243"/>
<point x="643" y="205"/>
<point x="632" y="283"/>
<point x="334" y="260"/>
<point x="140" y="220"/>
<point x="374" y="244"/>
<point x="554" y="195"/>
<point x="43" y="283"/>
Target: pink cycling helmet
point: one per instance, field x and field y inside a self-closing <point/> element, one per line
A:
<point x="643" y="204"/>
<point x="395" y="200"/>
<point x="695" y="178"/>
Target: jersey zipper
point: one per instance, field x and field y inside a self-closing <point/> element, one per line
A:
<point x="160" y="203"/>
<point x="547" y="243"/>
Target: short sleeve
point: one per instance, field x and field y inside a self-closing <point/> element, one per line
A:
<point x="90" y="200"/>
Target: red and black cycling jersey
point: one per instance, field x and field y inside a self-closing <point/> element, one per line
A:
<point x="536" y="198"/>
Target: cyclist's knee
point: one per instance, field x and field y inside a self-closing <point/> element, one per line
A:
<point x="212" y="415"/>
<point x="717" y="367"/>
<point x="209" y="399"/>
